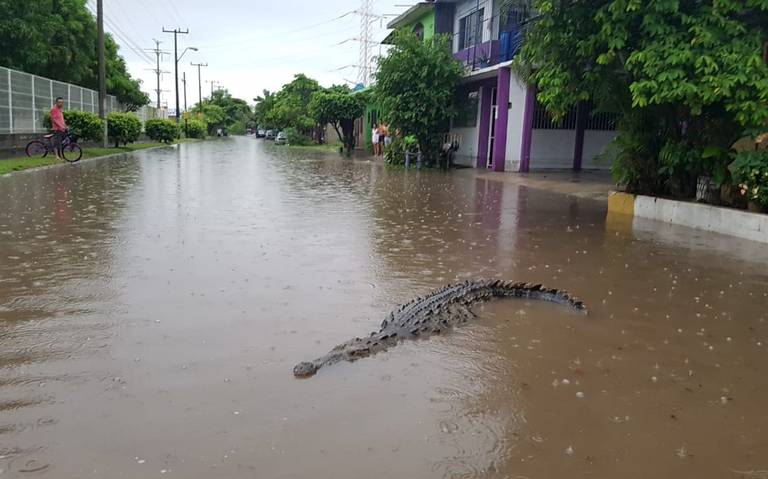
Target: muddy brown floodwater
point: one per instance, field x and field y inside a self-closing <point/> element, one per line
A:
<point x="152" y="308"/>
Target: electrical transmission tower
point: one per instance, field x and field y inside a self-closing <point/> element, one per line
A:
<point x="366" y="17"/>
<point x="158" y="54"/>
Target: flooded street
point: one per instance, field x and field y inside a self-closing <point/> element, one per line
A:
<point x="152" y="308"/>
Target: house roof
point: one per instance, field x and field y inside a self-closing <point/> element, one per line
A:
<point x="411" y="15"/>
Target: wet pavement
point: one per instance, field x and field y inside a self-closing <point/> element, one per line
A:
<point x="152" y="307"/>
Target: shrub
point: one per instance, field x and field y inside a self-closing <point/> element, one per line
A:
<point x="196" y="129"/>
<point x="237" y="128"/>
<point x="123" y="128"/>
<point x="395" y="153"/>
<point x="295" y="137"/>
<point x="84" y="125"/>
<point x="162" y="130"/>
<point x="750" y="174"/>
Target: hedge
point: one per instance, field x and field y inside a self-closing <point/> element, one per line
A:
<point x="159" y="129"/>
<point x="123" y="128"/>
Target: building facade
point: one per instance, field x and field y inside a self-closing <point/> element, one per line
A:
<point x="501" y="125"/>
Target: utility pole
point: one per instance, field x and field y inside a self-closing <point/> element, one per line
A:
<point x="102" y="69"/>
<point x="176" y="32"/>
<point x="213" y="86"/>
<point x="199" y="81"/>
<point x="184" y="81"/>
<point x="158" y="54"/>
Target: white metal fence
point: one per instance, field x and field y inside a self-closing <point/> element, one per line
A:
<point x="26" y="98"/>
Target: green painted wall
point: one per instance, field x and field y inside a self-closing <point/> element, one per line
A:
<point x="428" y="20"/>
<point x="372" y="114"/>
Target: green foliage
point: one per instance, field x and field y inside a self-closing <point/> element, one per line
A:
<point x="57" y="39"/>
<point x="296" y="138"/>
<point x="196" y="128"/>
<point x="264" y="105"/>
<point x="339" y="107"/>
<point x="416" y="84"/>
<point x="395" y="153"/>
<point x="162" y="130"/>
<point x="123" y="128"/>
<point x="86" y="126"/>
<point x="750" y="173"/>
<point x="223" y="111"/>
<point x="696" y="66"/>
<point x="237" y="128"/>
<point x="290" y="106"/>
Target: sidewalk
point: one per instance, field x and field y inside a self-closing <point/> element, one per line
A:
<point x="592" y="184"/>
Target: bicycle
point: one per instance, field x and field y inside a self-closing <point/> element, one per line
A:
<point x="70" y="150"/>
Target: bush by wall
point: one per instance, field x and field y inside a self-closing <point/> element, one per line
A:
<point x="85" y="125"/>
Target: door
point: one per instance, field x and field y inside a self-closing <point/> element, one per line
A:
<point x="492" y="133"/>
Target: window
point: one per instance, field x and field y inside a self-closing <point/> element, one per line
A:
<point x="471" y="29"/>
<point x="513" y="18"/>
<point x="467" y="108"/>
<point x="418" y="29"/>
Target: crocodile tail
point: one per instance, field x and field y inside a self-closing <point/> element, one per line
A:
<point x="535" y="291"/>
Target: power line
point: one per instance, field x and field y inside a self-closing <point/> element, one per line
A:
<point x="289" y="32"/>
<point x="118" y="33"/>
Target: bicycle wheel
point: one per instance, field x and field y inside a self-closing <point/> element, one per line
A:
<point x="72" y="152"/>
<point x="36" y="149"/>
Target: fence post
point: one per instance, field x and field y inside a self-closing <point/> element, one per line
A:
<point x="10" y="104"/>
<point x="34" y="107"/>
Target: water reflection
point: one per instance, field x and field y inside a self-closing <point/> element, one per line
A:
<point x="151" y="309"/>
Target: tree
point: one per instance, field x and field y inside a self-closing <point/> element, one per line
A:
<point x="687" y="77"/>
<point x="223" y="110"/>
<point x="339" y="107"/>
<point x="57" y="39"/>
<point x="416" y="83"/>
<point x="291" y="105"/>
<point x="264" y="104"/>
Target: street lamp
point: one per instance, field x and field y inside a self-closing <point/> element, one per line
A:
<point x="194" y="49"/>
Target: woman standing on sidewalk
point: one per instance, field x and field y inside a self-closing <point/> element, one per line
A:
<point x="375" y="139"/>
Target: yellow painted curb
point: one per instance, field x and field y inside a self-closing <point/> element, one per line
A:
<point x="621" y="203"/>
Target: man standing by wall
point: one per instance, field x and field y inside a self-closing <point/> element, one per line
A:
<point x="58" y="125"/>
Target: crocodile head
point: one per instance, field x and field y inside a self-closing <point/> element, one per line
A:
<point x="304" y="370"/>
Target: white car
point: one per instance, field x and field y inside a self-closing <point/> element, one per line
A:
<point x="281" y="139"/>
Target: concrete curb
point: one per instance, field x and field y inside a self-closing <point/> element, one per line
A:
<point x="715" y="219"/>
<point x="105" y="157"/>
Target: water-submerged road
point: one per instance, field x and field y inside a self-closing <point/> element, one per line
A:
<point x="152" y="307"/>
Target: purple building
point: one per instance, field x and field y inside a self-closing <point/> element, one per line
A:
<point x="501" y="125"/>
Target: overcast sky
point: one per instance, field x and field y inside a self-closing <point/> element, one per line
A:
<point x="249" y="45"/>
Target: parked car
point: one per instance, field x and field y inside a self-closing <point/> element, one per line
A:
<point x="261" y="133"/>
<point x="281" y="139"/>
<point x="270" y="134"/>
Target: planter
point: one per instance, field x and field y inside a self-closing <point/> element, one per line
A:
<point x="755" y="207"/>
<point x="707" y="190"/>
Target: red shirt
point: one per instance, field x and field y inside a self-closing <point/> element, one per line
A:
<point x="57" y="119"/>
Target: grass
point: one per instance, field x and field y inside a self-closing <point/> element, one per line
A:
<point x="24" y="163"/>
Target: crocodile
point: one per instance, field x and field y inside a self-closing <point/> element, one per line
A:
<point x="432" y="314"/>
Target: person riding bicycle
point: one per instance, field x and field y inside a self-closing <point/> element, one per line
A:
<point x="59" y="126"/>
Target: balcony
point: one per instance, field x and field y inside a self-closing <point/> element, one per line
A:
<point x="493" y="52"/>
